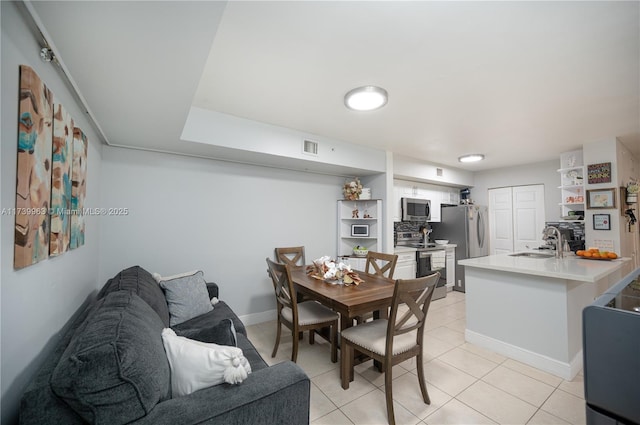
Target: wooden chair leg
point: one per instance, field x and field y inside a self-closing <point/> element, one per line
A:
<point x="278" y="331"/>
<point x="346" y="364"/>
<point x="421" y="381"/>
<point x="334" y="342"/>
<point x="388" y="378"/>
<point x="294" y="351"/>
<point x="312" y="338"/>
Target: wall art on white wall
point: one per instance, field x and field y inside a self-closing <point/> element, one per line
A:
<point x="61" y="181"/>
<point x="78" y="187"/>
<point x="33" y="180"/>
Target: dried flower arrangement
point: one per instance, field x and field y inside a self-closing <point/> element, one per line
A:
<point x="352" y="189"/>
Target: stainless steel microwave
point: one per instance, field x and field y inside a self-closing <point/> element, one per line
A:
<point x="414" y="209"/>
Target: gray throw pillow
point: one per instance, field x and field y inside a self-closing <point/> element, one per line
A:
<point x="187" y="297"/>
<point x="222" y="333"/>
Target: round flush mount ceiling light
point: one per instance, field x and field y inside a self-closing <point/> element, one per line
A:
<point x="474" y="157"/>
<point x="367" y="98"/>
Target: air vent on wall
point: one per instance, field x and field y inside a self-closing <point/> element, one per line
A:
<point x="439" y="172"/>
<point x="310" y="147"/>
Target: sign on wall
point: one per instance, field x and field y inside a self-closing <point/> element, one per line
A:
<point x="599" y="173"/>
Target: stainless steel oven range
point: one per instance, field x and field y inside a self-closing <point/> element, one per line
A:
<point x="429" y="257"/>
<point x="429" y="261"/>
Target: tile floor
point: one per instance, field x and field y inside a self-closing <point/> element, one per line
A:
<point x="467" y="384"/>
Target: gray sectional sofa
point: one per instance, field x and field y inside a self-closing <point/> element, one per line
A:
<point x="110" y="368"/>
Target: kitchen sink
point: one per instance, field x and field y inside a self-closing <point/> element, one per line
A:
<point x="532" y="255"/>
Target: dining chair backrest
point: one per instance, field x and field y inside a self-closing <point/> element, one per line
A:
<point x="416" y="294"/>
<point x="381" y="264"/>
<point x="282" y="285"/>
<point x="293" y="255"/>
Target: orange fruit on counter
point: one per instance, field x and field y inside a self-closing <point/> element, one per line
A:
<point x="595" y="255"/>
<point x="580" y="252"/>
<point x="594" y="250"/>
<point x="587" y="254"/>
<point x="612" y="255"/>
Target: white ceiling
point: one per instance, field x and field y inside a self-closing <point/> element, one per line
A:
<point x="520" y="82"/>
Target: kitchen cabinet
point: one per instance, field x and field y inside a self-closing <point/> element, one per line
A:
<point x="572" y="195"/>
<point x="438" y="195"/>
<point x="406" y="265"/>
<point x="356" y="263"/>
<point x="450" y="259"/>
<point x="359" y="224"/>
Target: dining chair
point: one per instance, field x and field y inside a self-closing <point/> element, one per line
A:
<point x="299" y="317"/>
<point x="395" y="340"/>
<point x="293" y="255"/>
<point x="381" y="264"/>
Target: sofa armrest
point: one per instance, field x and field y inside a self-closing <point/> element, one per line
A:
<point x="212" y="287"/>
<point x="275" y="395"/>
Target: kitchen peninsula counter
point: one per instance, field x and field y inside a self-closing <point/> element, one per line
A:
<point x="530" y="309"/>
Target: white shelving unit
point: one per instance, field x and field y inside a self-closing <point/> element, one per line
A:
<point x="572" y="175"/>
<point x="369" y="213"/>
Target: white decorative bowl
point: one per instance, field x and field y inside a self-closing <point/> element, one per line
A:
<point x="441" y="241"/>
<point x="360" y="252"/>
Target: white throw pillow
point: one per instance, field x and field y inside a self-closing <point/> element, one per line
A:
<point x="196" y="365"/>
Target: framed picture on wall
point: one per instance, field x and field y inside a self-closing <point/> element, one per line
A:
<point x="601" y="198"/>
<point x="601" y="222"/>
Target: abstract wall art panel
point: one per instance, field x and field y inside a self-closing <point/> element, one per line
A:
<point x="61" y="181"/>
<point x="78" y="187"/>
<point x="33" y="180"/>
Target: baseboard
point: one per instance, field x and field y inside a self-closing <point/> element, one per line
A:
<point x="255" y="318"/>
<point x="564" y="370"/>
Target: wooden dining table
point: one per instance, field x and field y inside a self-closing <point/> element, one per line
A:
<point x="374" y="294"/>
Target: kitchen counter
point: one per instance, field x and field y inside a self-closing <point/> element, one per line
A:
<point x="530" y="309"/>
<point x="570" y="267"/>
<point x="404" y="249"/>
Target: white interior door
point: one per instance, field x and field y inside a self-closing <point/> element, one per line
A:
<point x="516" y="218"/>
<point x="528" y="217"/>
<point x="500" y="220"/>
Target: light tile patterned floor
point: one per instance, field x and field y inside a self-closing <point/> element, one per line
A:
<point x="467" y="384"/>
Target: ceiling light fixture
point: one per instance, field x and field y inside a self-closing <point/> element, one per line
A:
<point x="474" y="157"/>
<point x="367" y="98"/>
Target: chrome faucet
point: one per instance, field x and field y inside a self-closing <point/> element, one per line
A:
<point x="548" y="233"/>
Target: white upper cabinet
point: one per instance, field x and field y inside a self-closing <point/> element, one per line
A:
<point x="438" y="195"/>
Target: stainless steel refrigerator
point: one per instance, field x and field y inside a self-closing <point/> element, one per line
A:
<point x="468" y="228"/>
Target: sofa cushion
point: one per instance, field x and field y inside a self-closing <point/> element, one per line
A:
<point x="222" y="333"/>
<point x="205" y="321"/>
<point x="187" y="296"/>
<point x="114" y="369"/>
<point x="255" y="359"/>
<point x="141" y="282"/>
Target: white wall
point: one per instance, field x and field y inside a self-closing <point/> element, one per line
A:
<point x="405" y="168"/>
<point x="261" y="143"/>
<point x="221" y="217"/>
<point x="545" y="173"/>
<point x="623" y="166"/>
<point x="39" y="300"/>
